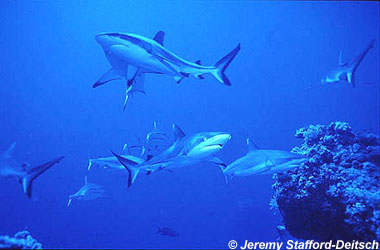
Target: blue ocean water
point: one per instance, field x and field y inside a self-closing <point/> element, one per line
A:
<point x="50" y="60"/>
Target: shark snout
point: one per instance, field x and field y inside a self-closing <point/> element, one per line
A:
<point x="210" y="146"/>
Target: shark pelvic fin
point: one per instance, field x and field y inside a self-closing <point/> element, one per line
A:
<point x="222" y="64"/>
<point x="132" y="171"/>
<point x="178" y="133"/>
<point x="33" y="173"/>
<point x="134" y="85"/>
<point x="159" y="37"/>
<point x="110" y="75"/>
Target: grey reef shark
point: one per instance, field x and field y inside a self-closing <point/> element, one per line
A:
<point x="154" y="143"/>
<point x="261" y="162"/>
<point x="150" y="56"/>
<point x="10" y="168"/>
<point x="89" y="191"/>
<point x="345" y="72"/>
<point x="185" y="151"/>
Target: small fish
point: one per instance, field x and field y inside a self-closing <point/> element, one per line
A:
<point x="10" y="168"/>
<point x="167" y="231"/>
<point x="89" y="191"/>
<point x="150" y="56"/>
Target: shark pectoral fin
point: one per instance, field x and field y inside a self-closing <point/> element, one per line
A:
<point x="218" y="162"/>
<point x="350" y="79"/>
<point x="69" y="203"/>
<point x="110" y="75"/>
<point x="135" y="85"/>
<point x="159" y="37"/>
<point x="33" y="173"/>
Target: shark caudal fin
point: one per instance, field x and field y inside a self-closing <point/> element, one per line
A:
<point x="128" y="164"/>
<point x="356" y="63"/>
<point x="222" y="65"/>
<point x="33" y="173"/>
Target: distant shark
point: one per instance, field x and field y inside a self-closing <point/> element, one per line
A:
<point x="89" y="191"/>
<point x="150" y="56"/>
<point x="345" y="72"/>
<point x="186" y="150"/>
<point x="152" y="145"/>
<point x="261" y="162"/>
<point x="9" y="168"/>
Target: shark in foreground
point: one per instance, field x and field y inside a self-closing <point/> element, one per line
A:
<point x="261" y="162"/>
<point x="89" y="191"/>
<point x="345" y="72"/>
<point x="10" y="168"/>
<point x="185" y="151"/>
<point x="150" y="56"/>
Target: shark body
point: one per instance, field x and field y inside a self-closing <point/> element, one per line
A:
<point x="345" y="72"/>
<point x="153" y="144"/>
<point x="10" y="168"/>
<point x="150" y="56"/>
<point x="89" y="191"/>
<point x="262" y="162"/>
<point x="185" y="151"/>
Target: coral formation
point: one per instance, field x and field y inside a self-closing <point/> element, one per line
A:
<point x="21" y="240"/>
<point x="335" y="195"/>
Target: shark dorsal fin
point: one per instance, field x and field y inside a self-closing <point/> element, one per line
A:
<point x="199" y="62"/>
<point x="251" y="146"/>
<point x="178" y="133"/>
<point x="159" y="37"/>
<point x="341" y="63"/>
<point x="10" y="150"/>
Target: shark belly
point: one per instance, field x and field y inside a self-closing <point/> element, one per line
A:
<point x="121" y="56"/>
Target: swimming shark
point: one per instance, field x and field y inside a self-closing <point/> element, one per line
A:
<point x="150" y="56"/>
<point x="185" y="151"/>
<point x="112" y="162"/>
<point x="154" y="142"/>
<point x="89" y="191"/>
<point x="10" y="168"/>
<point x="261" y="162"/>
<point x="345" y="72"/>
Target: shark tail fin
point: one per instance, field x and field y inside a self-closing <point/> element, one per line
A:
<point x="222" y="64"/>
<point x="33" y="173"/>
<point x="132" y="171"/>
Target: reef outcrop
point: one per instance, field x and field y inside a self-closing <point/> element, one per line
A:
<point x="21" y="240"/>
<point x="335" y="195"/>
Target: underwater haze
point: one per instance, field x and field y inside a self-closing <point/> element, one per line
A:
<point x="50" y="61"/>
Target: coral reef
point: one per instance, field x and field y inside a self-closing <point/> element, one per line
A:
<point x="21" y="240"/>
<point x="335" y="195"/>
